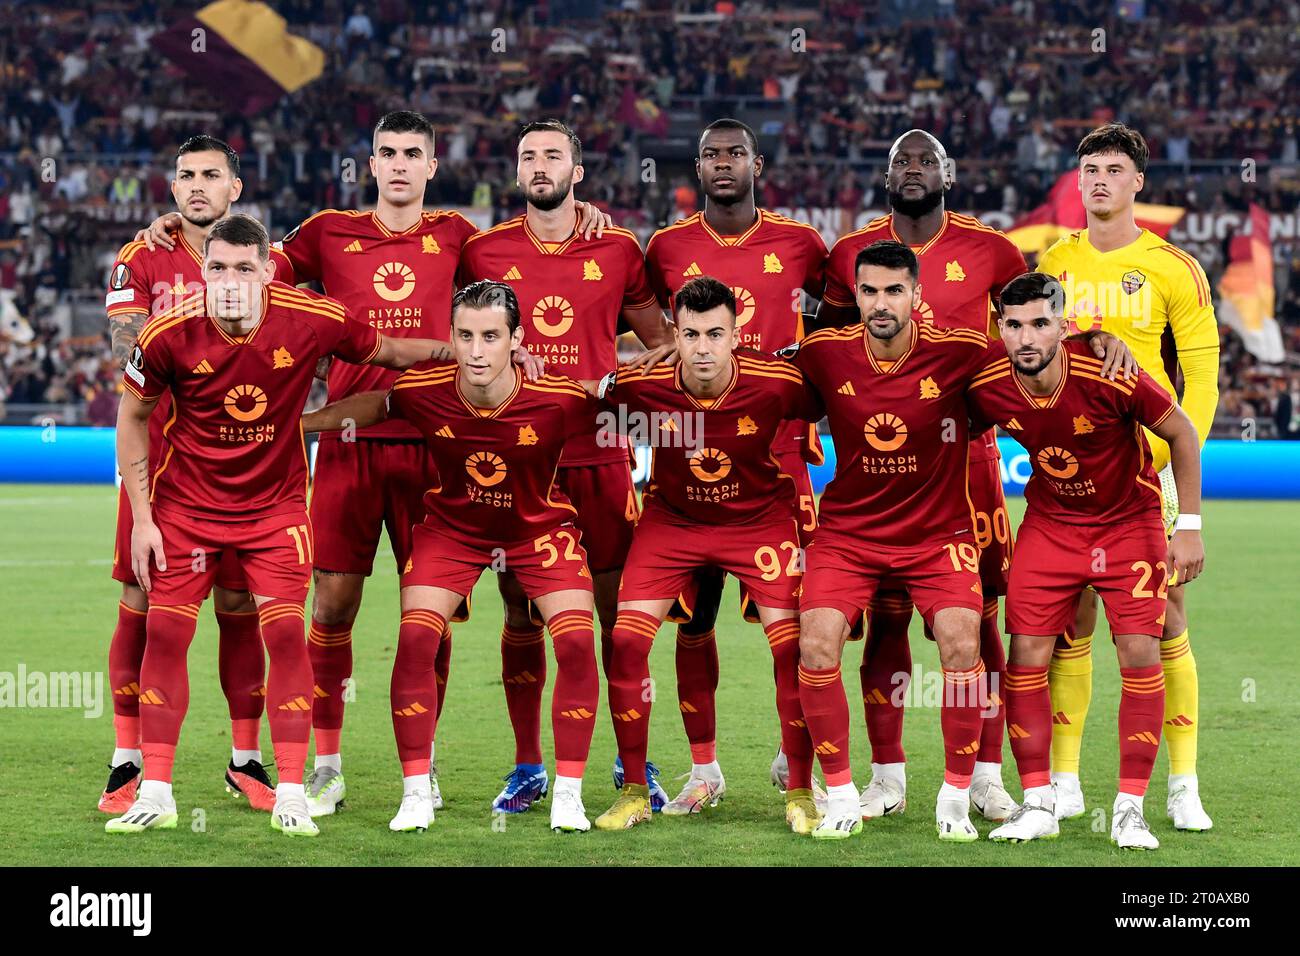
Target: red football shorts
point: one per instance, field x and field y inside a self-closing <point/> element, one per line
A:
<point x="992" y="526"/>
<point x="229" y="574"/>
<point x="274" y="554"/>
<point x="844" y="572"/>
<point x="555" y="561"/>
<point x="607" y="510"/>
<point x="664" y="558"/>
<point x="360" y="488"/>
<point x="1125" y="563"/>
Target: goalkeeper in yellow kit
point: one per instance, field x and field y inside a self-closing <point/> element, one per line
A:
<point x="1135" y="285"/>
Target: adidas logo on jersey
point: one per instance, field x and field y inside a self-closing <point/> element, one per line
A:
<point x="445" y="432"/>
<point x="692" y="270"/>
<point x="846" y="389"/>
<point x="203" y="368"/>
<point x="1012" y="425"/>
<point x="512" y="274"/>
<point x="353" y="246"/>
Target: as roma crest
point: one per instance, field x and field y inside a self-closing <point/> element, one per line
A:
<point x="1132" y="281"/>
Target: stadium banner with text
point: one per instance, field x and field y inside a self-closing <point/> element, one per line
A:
<point x="61" y="454"/>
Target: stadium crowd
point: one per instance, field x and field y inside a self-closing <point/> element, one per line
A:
<point x="93" y="113"/>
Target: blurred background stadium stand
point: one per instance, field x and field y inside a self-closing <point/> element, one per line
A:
<point x="93" y="114"/>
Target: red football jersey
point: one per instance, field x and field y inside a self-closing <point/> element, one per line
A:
<point x="766" y="266"/>
<point x="713" y="460"/>
<point x="147" y="283"/>
<point x="1091" y="461"/>
<point x="963" y="268"/>
<point x="900" y="429"/>
<point x="496" y="468"/>
<point x="233" y="449"/>
<point x="570" y="296"/>
<point x="399" y="282"/>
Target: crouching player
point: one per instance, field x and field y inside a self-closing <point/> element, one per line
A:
<point x="1093" y="518"/>
<point x="716" y="499"/>
<point x="496" y="440"/>
<point x="239" y="359"/>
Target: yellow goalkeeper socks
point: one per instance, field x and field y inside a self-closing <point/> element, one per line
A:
<point x="1182" y="700"/>
<point x="1070" y="683"/>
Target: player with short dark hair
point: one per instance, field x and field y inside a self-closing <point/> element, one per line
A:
<point x="896" y="509"/>
<point x="1131" y="282"/>
<point x="573" y="291"/>
<point x="146" y="281"/>
<point x="769" y="262"/>
<point x="717" y="498"/>
<point x="239" y="357"/>
<point x="963" y="264"/>
<point x="496" y="439"/>
<point x="1093" y="492"/>
<point x="394" y="267"/>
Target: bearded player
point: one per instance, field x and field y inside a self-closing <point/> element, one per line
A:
<point x="145" y="281"/>
<point x="497" y="440"/>
<point x="1130" y="282"/>
<point x="239" y="357"/>
<point x="963" y="264"/>
<point x="896" y="509"/>
<point x="572" y="292"/>
<point x="719" y="500"/>
<point x="768" y="261"/>
<point x="395" y="268"/>
<point x="1093" y="491"/>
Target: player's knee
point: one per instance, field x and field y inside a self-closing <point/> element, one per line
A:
<point x="134" y="597"/>
<point x="336" y="599"/>
<point x="225" y="601"/>
<point x="1175" y="620"/>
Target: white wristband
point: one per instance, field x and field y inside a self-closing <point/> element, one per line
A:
<point x="1188" y="523"/>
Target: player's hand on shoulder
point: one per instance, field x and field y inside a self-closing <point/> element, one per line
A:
<point x="534" y="366"/>
<point x="1116" y="358"/>
<point x="662" y="354"/>
<point x="1186" y="555"/>
<point x="146" y="544"/>
<point x="158" y="232"/>
<point x="592" y="219"/>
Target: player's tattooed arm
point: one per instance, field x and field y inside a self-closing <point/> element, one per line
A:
<point x="124" y="329"/>
<point x="355" y="411"/>
<point x="400" y="354"/>
<point x="133" y="452"/>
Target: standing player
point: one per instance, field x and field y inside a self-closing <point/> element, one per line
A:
<point x="393" y="267"/>
<point x="1130" y="282"/>
<point x="897" y="508"/>
<point x="239" y="359"/>
<point x="722" y="501"/>
<point x="497" y="441"/>
<point x="964" y="264"/>
<point x="572" y="292"/>
<point x="767" y="260"/>
<point x="144" y="282"/>
<point x="1093" y="491"/>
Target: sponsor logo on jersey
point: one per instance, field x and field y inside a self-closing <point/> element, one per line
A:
<point x="245" y="403"/>
<point x="394" y="281"/>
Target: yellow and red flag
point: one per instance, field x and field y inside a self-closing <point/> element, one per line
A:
<point x="1063" y="213"/>
<point x="242" y="51"/>
<point x="1246" y="293"/>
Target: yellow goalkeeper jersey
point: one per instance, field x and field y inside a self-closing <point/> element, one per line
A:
<point x="1135" y="293"/>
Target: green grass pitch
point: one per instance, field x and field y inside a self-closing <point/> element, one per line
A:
<point x="58" y="612"/>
